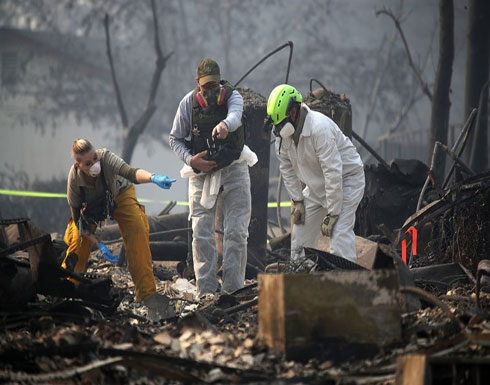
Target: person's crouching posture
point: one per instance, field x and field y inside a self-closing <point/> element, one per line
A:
<point x="100" y="185"/>
<point x="312" y="150"/>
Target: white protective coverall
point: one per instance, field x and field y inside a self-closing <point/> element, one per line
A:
<point x="327" y="162"/>
<point x="233" y="183"/>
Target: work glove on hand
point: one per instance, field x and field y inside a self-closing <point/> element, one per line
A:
<point x="162" y="181"/>
<point x="328" y="223"/>
<point x="106" y="253"/>
<point x="297" y="212"/>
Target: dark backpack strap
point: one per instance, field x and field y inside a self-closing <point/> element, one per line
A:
<point x="82" y="190"/>
<point x="103" y="178"/>
<point x="109" y="197"/>
<point x="82" y="193"/>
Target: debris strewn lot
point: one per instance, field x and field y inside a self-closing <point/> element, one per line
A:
<point x="55" y="340"/>
<point x="437" y="308"/>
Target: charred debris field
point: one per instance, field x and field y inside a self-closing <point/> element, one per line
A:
<point x="413" y="309"/>
<point x="96" y="333"/>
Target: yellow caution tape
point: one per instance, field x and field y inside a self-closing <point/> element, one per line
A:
<point x="35" y="194"/>
<point x="281" y="204"/>
<point x="39" y="194"/>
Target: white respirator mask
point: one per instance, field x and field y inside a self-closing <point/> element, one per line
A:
<point x="287" y="130"/>
<point x="284" y="129"/>
<point x="95" y="169"/>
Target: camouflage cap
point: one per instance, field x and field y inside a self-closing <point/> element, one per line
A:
<point x="208" y="71"/>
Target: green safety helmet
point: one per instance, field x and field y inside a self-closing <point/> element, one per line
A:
<point x="280" y="101"/>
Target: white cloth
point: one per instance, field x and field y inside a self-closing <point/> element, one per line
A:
<point x="212" y="181"/>
<point x="323" y="160"/>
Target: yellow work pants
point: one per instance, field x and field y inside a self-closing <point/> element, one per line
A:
<point x="133" y="224"/>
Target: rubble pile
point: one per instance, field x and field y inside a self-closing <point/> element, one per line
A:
<point x="453" y="232"/>
<point x="252" y="99"/>
<point x="323" y="100"/>
<point x="96" y="333"/>
<point x="213" y="340"/>
<point x="336" y="106"/>
<point x="389" y="190"/>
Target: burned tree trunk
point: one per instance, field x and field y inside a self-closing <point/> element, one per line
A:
<point x="477" y="74"/>
<point x="440" y="101"/>
<point x="416" y="71"/>
<point x="258" y="139"/>
<point x="133" y="132"/>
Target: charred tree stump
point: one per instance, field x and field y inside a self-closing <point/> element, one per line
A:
<point x="258" y="140"/>
<point x="440" y="102"/>
<point x="336" y="107"/>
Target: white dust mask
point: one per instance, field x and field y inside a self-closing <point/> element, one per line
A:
<point x="95" y="169"/>
<point x="287" y="130"/>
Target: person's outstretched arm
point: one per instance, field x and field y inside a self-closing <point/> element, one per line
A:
<point x="137" y="175"/>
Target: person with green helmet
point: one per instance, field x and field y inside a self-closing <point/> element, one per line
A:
<point x="313" y="151"/>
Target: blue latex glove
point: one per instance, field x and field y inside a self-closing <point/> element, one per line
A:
<point x="107" y="253"/>
<point x="162" y="181"/>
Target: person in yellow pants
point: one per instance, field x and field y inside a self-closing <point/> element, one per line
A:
<point x="100" y="184"/>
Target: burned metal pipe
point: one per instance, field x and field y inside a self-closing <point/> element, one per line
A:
<point x="370" y="149"/>
<point x="438" y="145"/>
<point x="464" y="133"/>
<point x="456" y="158"/>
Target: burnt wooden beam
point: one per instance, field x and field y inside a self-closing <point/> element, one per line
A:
<point x="422" y="369"/>
<point x="156" y="223"/>
<point x="411" y="370"/>
<point x="168" y="250"/>
<point x="304" y="315"/>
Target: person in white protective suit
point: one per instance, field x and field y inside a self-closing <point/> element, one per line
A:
<point x="208" y="136"/>
<point x="314" y="153"/>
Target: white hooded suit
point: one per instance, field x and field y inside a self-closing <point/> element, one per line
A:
<point x="327" y="163"/>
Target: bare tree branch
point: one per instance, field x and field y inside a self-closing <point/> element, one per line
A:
<point x="373" y="98"/>
<point x="139" y="126"/>
<point x="131" y="134"/>
<point x="120" y="103"/>
<point x="404" y="112"/>
<point x="418" y="76"/>
<point x="161" y="61"/>
<point x="163" y="140"/>
<point x="413" y="98"/>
